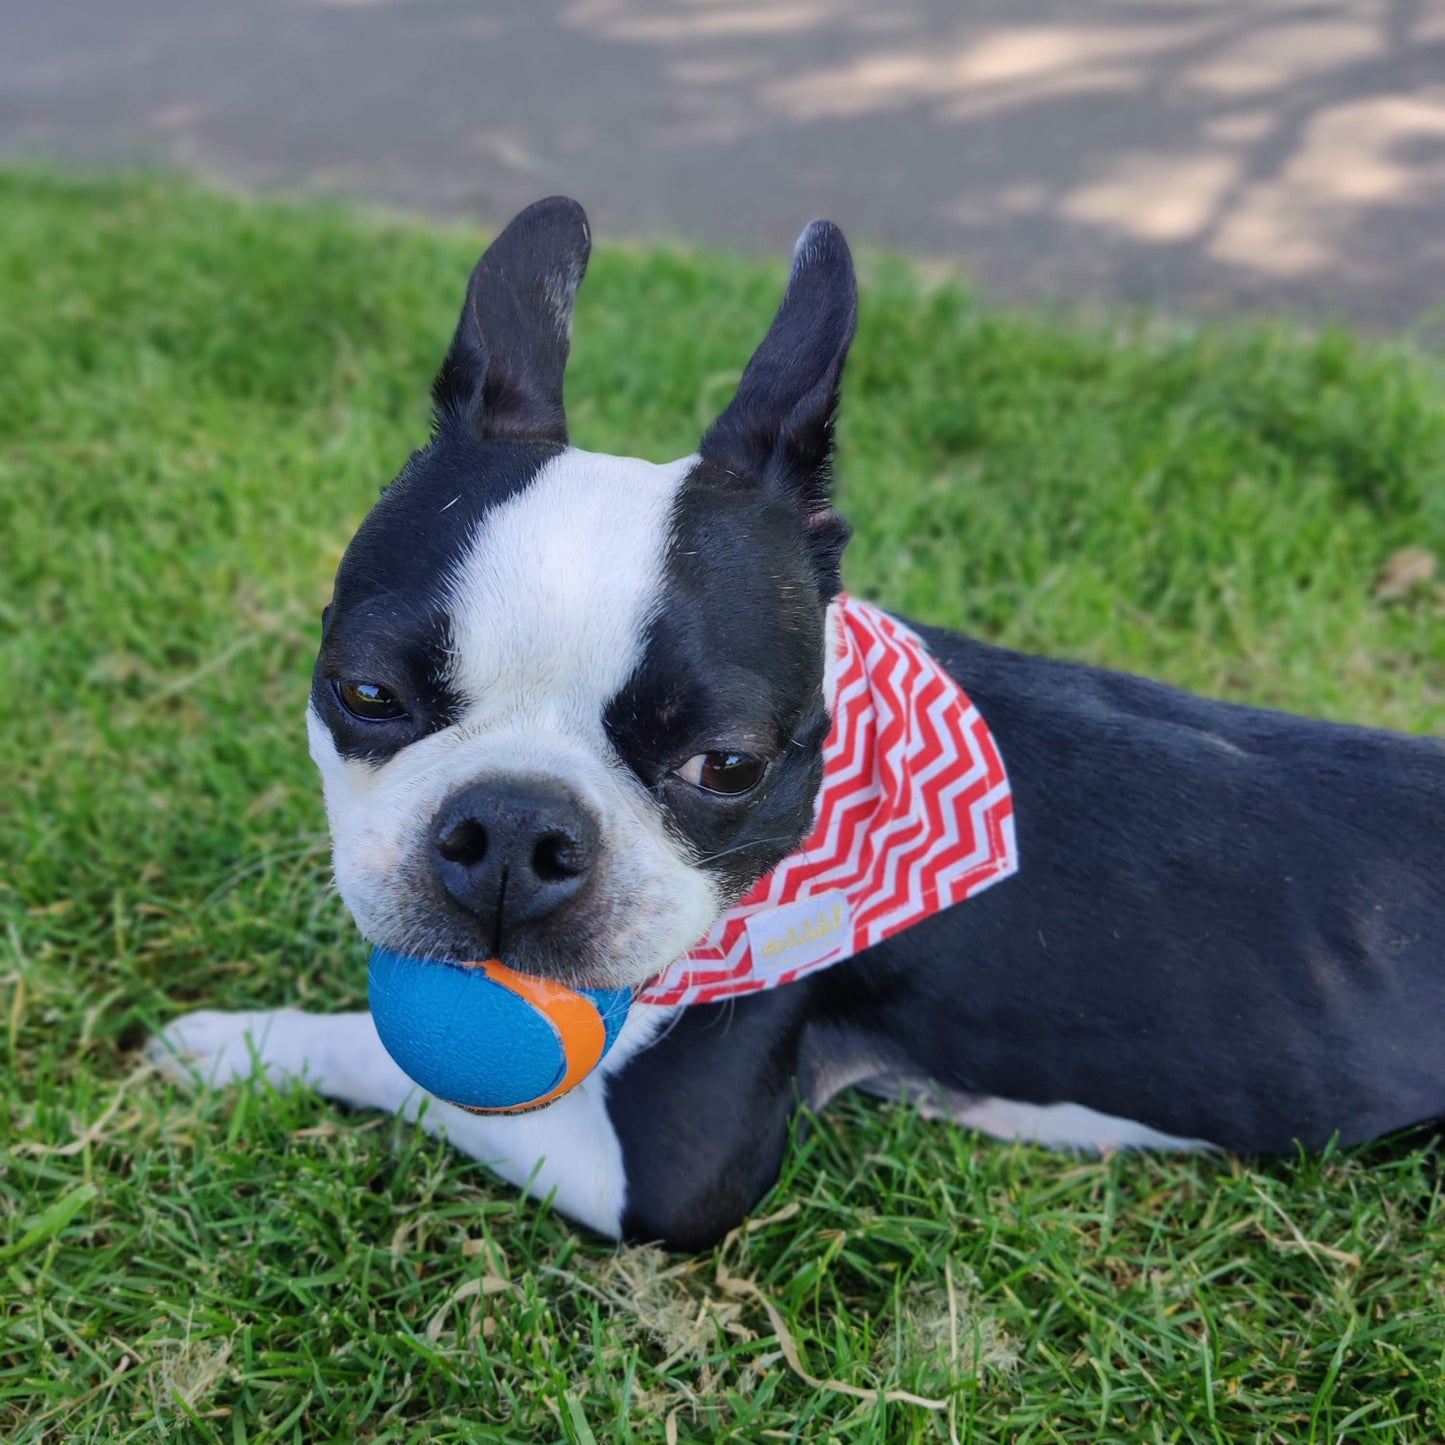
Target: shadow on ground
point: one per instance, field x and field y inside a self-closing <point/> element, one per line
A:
<point x="1202" y="153"/>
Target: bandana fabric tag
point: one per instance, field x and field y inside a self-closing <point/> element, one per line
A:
<point x="915" y="814"/>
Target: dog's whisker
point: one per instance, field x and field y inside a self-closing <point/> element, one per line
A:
<point x="743" y="847"/>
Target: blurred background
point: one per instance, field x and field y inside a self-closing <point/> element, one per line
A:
<point x="1199" y="154"/>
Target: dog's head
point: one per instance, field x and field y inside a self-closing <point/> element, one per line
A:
<point x="568" y="707"/>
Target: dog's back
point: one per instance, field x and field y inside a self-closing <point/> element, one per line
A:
<point x="1229" y="922"/>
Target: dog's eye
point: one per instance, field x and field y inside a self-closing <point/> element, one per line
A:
<point x="726" y="773"/>
<point x="369" y="701"/>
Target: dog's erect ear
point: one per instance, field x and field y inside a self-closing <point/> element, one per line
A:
<point x="502" y="378"/>
<point x="779" y="426"/>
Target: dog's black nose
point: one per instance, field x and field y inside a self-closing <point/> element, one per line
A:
<point x="511" y="852"/>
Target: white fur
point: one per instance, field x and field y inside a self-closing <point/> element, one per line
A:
<point x="549" y="607"/>
<point x="1055" y="1126"/>
<point x="568" y="1151"/>
<point x="550" y="602"/>
<point x="1068" y="1126"/>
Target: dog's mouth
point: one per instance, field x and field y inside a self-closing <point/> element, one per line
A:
<point x="589" y="963"/>
<point x="627" y="927"/>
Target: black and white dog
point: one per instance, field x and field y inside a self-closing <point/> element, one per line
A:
<point x="570" y="708"/>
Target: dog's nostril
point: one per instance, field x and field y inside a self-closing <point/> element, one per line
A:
<point x="512" y="852"/>
<point x="463" y="842"/>
<point x="556" y="857"/>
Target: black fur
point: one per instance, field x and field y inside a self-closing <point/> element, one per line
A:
<point x="502" y="377"/>
<point x="386" y="623"/>
<point x="1228" y="924"/>
<point x="499" y="419"/>
<point x="732" y="663"/>
<point x="778" y="429"/>
<point x="703" y="1117"/>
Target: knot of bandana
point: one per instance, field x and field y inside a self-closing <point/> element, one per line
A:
<point x="914" y="814"/>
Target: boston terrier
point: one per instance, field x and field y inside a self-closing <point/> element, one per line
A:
<point x="616" y="724"/>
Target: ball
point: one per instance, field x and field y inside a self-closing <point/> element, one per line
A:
<point x="486" y="1037"/>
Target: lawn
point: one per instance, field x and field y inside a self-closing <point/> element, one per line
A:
<point x="199" y="398"/>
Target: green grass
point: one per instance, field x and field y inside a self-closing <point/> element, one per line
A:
<point x="199" y="397"/>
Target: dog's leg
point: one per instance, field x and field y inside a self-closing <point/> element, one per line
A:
<point x="1055" y="1126"/>
<point x="568" y="1151"/>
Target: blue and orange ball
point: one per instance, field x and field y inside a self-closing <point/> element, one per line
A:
<point x="486" y="1037"/>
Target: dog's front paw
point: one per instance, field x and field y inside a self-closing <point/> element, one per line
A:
<point x="212" y="1048"/>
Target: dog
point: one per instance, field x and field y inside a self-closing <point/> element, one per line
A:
<point x="571" y="711"/>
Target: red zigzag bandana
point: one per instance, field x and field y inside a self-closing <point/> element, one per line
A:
<point x="914" y="814"/>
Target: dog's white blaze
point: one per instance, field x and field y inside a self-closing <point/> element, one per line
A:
<point x="549" y="606"/>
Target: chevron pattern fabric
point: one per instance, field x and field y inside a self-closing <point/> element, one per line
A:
<point x="914" y="815"/>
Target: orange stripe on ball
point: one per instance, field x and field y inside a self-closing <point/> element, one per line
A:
<point x="579" y="1027"/>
